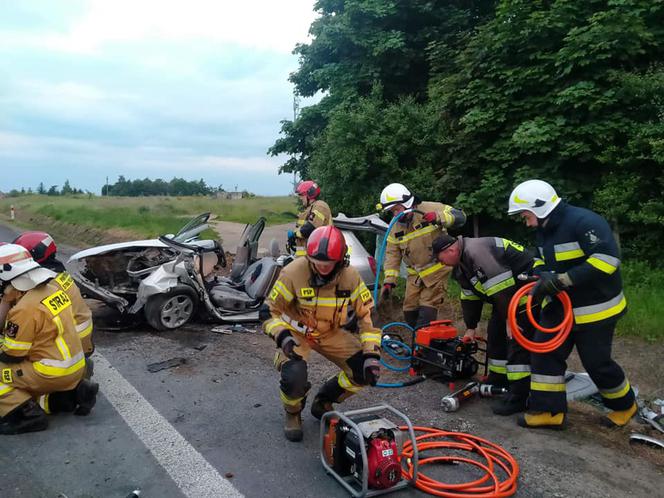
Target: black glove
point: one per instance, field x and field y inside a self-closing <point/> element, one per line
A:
<point x="386" y="291"/>
<point x="371" y="369"/>
<point x="549" y="284"/>
<point x="287" y="343"/>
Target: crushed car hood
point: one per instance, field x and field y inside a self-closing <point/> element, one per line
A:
<point x="134" y="244"/>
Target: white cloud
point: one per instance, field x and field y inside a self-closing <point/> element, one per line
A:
<point x="265" y="24"/>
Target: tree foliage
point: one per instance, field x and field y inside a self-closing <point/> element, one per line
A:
<point x="461" y="100"/>
<point x="147" y="187"/>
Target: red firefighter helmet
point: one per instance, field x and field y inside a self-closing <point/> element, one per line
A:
<point x="327" y="244"/>
<point x="40" y="245"/>
<point x="308" y="188"/>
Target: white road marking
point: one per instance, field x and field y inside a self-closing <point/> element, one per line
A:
<point x="193" y="474"/>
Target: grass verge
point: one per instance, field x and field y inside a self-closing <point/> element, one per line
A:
<point x="146" y="216"/>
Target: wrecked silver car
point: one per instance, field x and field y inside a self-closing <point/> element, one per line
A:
<point x="170" y="279"/>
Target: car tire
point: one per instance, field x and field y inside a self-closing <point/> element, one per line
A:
<point x="171" y="310"/>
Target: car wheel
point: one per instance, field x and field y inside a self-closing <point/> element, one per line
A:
<point x="171" y="310"/>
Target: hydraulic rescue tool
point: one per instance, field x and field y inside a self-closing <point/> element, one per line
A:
<point x="362" y="450"/>
<point x="452" y="401"/>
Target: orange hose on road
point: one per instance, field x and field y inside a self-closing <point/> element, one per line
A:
<point x="562" y="331"/>
<point x="495" y="460"/>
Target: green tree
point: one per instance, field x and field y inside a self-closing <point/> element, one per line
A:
<point x="564" y="91"/>
<point x="66" y="188"/>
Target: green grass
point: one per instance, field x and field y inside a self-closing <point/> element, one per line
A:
<point x="644" y="289"/>
<point x="148" y="216"/>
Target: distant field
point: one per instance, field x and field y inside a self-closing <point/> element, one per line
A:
<point x="147" y="216"/>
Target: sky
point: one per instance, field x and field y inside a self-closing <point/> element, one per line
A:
<point x="91" y="89"/>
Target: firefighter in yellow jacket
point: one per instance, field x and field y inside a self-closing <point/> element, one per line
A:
<point x="44" y="251"/>
<point x="410" y="241"/>
<point x="311" y="302"/>
<point x="316" y="213"/>
<point x="41" y="358"/>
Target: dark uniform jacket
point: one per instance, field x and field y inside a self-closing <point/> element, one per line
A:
<point x="487" y="272"/>
<point x="580" y="243"/>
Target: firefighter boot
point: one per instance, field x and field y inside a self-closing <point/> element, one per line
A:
<point x="619" y="418"/>
<point x="86" y="397"/>
<point x="330" y="392"/>
<point x="28" y="417"/>
<point x="510" y="405"/>
<point x="410" y="317"/>
<point x="293" y="426"/>
<point x="542" y="420"/>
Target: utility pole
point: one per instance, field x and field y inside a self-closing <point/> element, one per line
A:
<point x="296" y="113"/>
<point x="107" y="186"/>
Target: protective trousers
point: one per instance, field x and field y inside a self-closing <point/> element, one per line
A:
<point x="593" y="343"/>
<point x="421" y="303"/>
<point x="20" y="382"/>
<point x="341" y="348"/>
<point x="509" y="362"/>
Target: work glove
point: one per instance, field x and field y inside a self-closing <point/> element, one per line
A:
<point x="287" y="343"/>
<point x="430" y="217"/>
<point x="386" y="291"/>
<point x="549" y="284"/>
<point x="371" y="370"/>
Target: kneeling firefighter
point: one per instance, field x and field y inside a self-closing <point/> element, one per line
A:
<point x="410" y="240"/>
<point x="41" y="357"/>
<point x="311" y="302"/>
<point x="44" y="251"/>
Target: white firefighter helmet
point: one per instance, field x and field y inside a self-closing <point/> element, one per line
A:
<point x="536" y="196"/>
<point x="18" y="267"/>
<point x="395" y="193"/>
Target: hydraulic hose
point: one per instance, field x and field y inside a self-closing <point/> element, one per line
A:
<point x="381" y="255"/>
<point x="561" y="331"/>
<point x="495" y="461"/>
<point x="387" y="345"/>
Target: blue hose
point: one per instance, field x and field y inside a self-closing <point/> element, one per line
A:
<point x="381" y="255"/>
<point x="387" y="345"/>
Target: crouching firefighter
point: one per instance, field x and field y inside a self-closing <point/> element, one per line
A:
<point x="44" y="251"/>
<point x="309" y="305"/>
<point x="410" y="240"/>
<point x="41" y="358"/>
<point x="316" y="213"/>
<point x="580" y="257"/>
<point x="487" y="269"/>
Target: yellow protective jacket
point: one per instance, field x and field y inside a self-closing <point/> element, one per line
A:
<point x="40" y="328"/>
<point x="316" y="214"/>
<point x="412" y="241"/>
<point x="298" y="307"/>
<point x="82" y="313"/>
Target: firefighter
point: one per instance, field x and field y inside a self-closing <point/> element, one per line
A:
<point x="316" y="213"/>
<point x="41" y="357"/>
<point x="487" y="270"/>
<point x="44" y="251"/>
<point x="580" y="257"/>
<point x="410" y="240"/>
<point x="310" y="303"/>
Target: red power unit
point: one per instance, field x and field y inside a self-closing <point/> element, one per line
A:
<point x="438" y="351"/>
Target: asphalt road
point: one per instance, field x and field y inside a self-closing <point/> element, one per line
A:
<point x="212" y="426"/>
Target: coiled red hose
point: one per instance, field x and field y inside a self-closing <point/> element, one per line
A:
<point x="562" y="331"/>
<point x="496" y="461"/>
